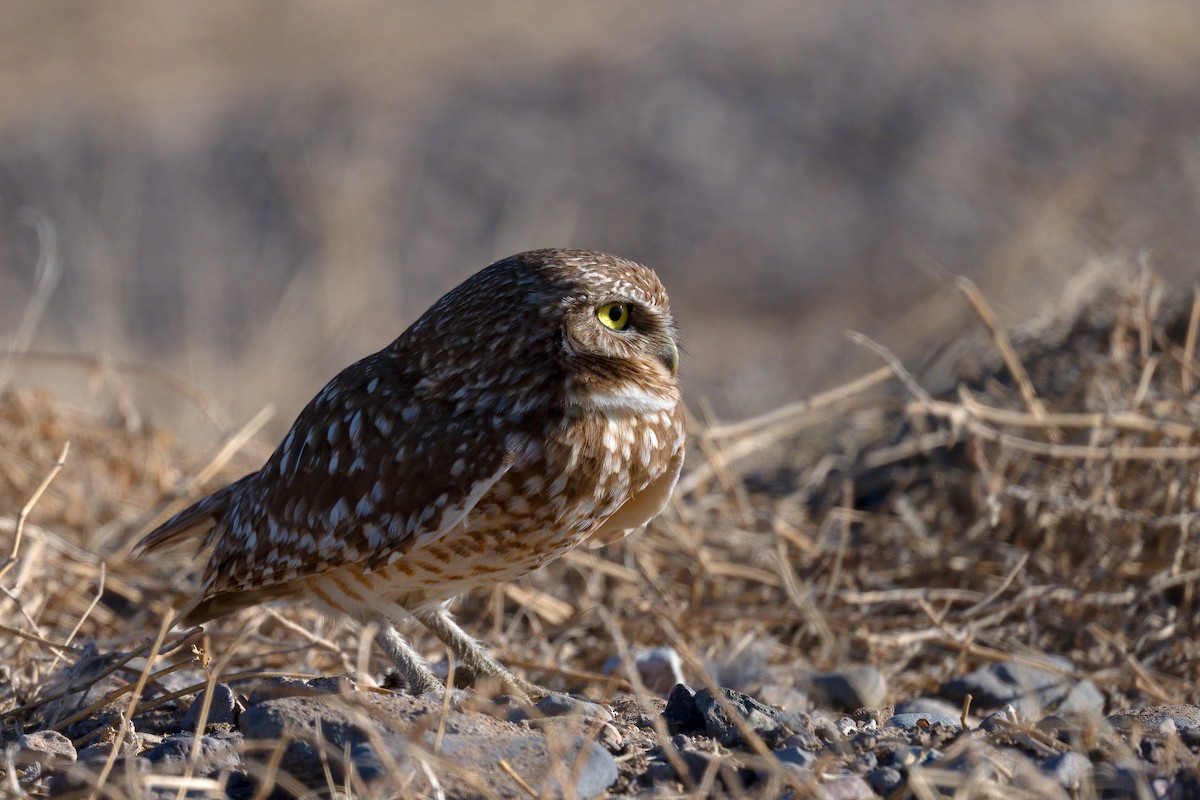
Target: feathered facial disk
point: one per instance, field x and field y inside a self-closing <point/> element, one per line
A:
<point x="620" y="331"/>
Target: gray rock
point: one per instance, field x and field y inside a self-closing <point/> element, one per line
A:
<point x="934" y="705"/>
<point x="760" y="718"/>
<point x="907" y="757"/>
<point x="223" y="709"/>
<point x="1084" y="698"/>
<point x="851" y="689"/>
<point x="553" y="706"/>
<point x="218" y="751"/>
<point x="79" y="779"/>
<point x="885" y="780"/>
<point x="1072" y="770"/>
<point x="915" y="719"/>
<point x="554" y="767"/>
<point x="1152" y="718"/>
<point x="564" y="705"/>
<point x="848" y="787"/>
<point x="101" y="751"/>
<point x="48" y="748"/>
<point x="659" y="668"/>
<point x="1029" y="689"/>
<point x="997" y="720"/>
<point x="475" y="742"/>
<point x="796" y="755"/>
<point x="824" y="728"/>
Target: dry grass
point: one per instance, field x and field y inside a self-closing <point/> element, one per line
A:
<point x="1039" y="501"/>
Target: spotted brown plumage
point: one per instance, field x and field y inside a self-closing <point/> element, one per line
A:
<point x="530" y="410"/>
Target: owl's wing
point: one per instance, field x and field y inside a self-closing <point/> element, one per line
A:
<point x="372" y="467"/>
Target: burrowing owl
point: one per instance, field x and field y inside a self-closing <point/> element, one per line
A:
<point x="532" y="409"/>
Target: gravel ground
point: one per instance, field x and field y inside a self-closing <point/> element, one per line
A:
<point x="1029" y="731"/>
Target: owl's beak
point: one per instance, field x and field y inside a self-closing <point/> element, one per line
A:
<point x="670" y="357"/>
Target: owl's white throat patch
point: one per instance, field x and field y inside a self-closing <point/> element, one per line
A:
<point x="628" y="398"/>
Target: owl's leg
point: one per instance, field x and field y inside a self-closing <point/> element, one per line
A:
<point x="420" y="678"/>
<point x="475" y="660"/>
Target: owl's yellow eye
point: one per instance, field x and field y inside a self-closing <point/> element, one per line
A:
<point x="613" y="315"/>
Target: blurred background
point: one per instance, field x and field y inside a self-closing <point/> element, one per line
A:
<point x="251" y="196"/>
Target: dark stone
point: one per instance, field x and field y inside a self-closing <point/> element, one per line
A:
<point x="852" y="688"/>
<point x="865" y="762"/>
<point x="222" y="711"/>
<point x="1111" y="780"/>
<point x="885" y="780"/>
<point x="760" y="718"/>
<point x="218" y="751"/>
<point x="796" y="755"/>
<point x="681" y="713"/>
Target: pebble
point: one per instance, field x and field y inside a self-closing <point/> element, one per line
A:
<point x="885" y="780"/>
<point x="796" y="755"/>
<point x="848" y="787"/>
<point x="223" y="710"/>
<point x="564" y="705"/>
<point x="1071" y="769"/>
<point x="920" y="719"/>
<point x="850" y="689"/>
<point x="659" y="668"/>
<point x="906" y="757"/>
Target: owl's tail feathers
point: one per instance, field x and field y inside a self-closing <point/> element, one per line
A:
<point x="196" y="519"/>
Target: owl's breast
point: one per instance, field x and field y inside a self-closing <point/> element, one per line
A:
<point x="612" y="469"/>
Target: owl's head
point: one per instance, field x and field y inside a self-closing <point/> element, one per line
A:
<point x="616" y="333"/>
<point x="594" y="329"/>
